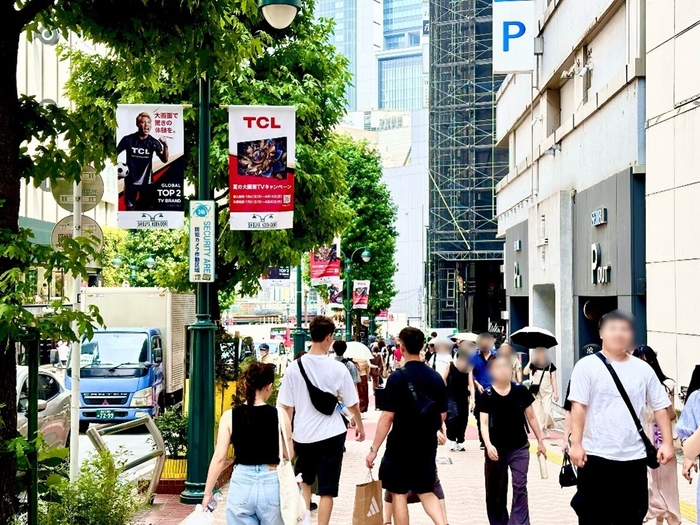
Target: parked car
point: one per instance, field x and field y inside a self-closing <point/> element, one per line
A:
<point x="53" y="404"/>
<point x="278" y="352"/>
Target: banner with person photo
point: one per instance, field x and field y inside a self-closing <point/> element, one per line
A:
<point x="335" y="294"/>
<point x="150" y="166"/>
<point x="324" y="264"/>
<point x="261" y="167"/>
<point x="360" y="295"/>
<point x="276" y="277"/>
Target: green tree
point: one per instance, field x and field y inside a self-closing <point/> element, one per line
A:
<point x="157" y="51"/>
<point x="373" y="223"/>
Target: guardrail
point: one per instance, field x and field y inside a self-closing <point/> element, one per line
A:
<point x="95" y="434"/>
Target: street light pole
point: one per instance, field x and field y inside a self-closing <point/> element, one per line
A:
<point x="200" y="423"/>
<point x="299" y="334"/>
<point x="366" y="256"/>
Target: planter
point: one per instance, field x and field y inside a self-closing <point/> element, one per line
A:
<point x="175" y="473"/>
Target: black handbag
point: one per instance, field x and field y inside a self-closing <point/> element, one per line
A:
<point x="651" y="459"/>
<point x="567" y="474"/>
<point x="321" y="400"/>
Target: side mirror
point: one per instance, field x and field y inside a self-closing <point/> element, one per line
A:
<point x="41" y="405"/>
<point x="157" y="358"/>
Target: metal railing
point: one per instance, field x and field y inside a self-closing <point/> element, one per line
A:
<point x="95" y="434"/>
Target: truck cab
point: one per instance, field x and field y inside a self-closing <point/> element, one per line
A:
<point x="121" y="375"/>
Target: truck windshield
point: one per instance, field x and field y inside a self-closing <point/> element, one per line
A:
<point x="114" y="348"/>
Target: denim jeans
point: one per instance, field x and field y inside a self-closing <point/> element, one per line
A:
<point x="253" y="496"/>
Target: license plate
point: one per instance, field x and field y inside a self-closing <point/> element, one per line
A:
<point x="105" y="414"/>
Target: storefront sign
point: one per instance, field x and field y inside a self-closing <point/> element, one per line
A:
<point x="261" y="167"/>
<point x="202" y="241"/>
<point x="513" y="36"/>
<point x="151" y="166"/>
<point x="599" y="217"/>
<point x="600" y="273"/>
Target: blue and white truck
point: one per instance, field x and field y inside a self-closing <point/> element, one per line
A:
<point x="136" y="365"/>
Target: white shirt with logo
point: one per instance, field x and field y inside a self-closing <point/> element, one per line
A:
<point x="310" y="425"/>
<point x="609" y="430"/>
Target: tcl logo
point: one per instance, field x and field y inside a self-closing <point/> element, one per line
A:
<point x="261" y="122"/>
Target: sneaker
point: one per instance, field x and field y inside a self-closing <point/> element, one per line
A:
<point x="453" y="446"/>
<point x="314" y="506"/>
<point x="482" y="447"/>
<point x="460" y="447"/>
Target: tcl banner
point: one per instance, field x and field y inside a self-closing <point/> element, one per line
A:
<point x="513" y="36"/>
<point x="324" y="264"/>
<point x="360" y="295"/>
<point x="261" y="169"/>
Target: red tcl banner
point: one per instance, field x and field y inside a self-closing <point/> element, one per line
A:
<point x="261" y="168"/>
<point x="324" y="264"/>
<point x="360" y="294"/>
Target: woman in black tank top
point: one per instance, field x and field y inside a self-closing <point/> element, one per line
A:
<point x="457" y="381"/>
<point x="254" y="431"/>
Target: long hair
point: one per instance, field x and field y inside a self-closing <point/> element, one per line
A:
<point x="694" y="382"/>
<point x="257" y="377"/>
<point x="647" y="353"/>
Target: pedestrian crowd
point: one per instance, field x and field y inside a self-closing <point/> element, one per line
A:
<point x="620" y="430"/>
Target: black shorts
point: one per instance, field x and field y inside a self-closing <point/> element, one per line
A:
<point x="321" y="461"/>
<point x="400" y="474"/>
<point x="412" y="497"/>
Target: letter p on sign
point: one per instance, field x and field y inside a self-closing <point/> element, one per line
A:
<point x="513" y="36"/>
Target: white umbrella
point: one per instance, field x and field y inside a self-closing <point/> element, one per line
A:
<point x="357" y="350"/>
<point x="534" y="337"/>
<point x="465" y="336"/>
<point x="442" y="341"/>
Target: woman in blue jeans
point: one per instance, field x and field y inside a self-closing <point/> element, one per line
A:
<point x="253" y="429"/>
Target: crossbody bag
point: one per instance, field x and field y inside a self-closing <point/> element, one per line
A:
<point x="322" y="401"/>
<point x="535" y="389"/>
<point x="651" y="459"/>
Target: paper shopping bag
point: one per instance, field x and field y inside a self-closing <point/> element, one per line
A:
<point x="368" y="504"/>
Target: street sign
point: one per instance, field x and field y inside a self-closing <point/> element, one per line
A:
<point x="64" y="228"/>
<point x="513" y="36"/>
<point x="93" y="190"/>
<point x="202" y="241"/>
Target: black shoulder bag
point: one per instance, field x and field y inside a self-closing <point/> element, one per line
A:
<point x="321" y="400"/>
<point x="428" y="413"/>
<point x="652" y="461"/>
<point x="535" y="389"/>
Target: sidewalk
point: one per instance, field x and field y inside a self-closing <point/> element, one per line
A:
<point x="462" y="478"/>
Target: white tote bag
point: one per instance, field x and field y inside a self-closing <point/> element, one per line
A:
<point x="292" y="504"/>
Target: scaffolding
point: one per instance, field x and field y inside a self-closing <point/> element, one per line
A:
<point x="465" y="165"/>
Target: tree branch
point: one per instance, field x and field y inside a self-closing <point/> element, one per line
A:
<point x="31" y="9"/>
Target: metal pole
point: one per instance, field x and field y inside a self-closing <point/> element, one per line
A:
<point x="200" y="425"/>
<point x="348" y="300"/>
<point x="75" y="353"/>
<point x="31" y="346"/>
<point x="299" y="334"/>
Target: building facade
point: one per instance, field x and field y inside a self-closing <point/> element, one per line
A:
<point x="465" y="257"/>
<point x="571" y="208"/>
<point x="673" y="183"/>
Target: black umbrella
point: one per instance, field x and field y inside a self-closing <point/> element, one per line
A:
<point x="533" y="337"/>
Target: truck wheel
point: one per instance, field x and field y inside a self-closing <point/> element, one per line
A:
<point x="83" y="425"/>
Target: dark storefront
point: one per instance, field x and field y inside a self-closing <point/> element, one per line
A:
<point x="517" y="278"/>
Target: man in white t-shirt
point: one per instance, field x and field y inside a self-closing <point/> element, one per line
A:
<point x="605" y="444"/>
<point x="319" y="439"/>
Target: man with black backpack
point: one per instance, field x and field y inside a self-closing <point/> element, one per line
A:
<point x="414" y="410"/>
<point x="311" y="389"/>
<point x="610" y="391"/>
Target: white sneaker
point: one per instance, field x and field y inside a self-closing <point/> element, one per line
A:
<point x="460" y="447"/>
<point x="453" y="446"/>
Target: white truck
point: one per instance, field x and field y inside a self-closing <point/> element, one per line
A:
<point x="136" y="364"/>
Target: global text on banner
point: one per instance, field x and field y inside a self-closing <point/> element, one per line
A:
<point x="276" y="277"/>
<point x="360" y="295"/>
<point x="324" y="264"/>
<point x="261" y="167"/>
<point x="335" y="294"/>
<point x="150" y="166"/>
<point x="202" y="241"/>
<point x="513" y="36"/>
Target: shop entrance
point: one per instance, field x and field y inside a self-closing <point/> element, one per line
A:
<point x="591" y="309"/>
<point x="519" y="317"/>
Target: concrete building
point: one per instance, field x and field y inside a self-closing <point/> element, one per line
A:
<point x="571" y="208"/>
<point x="43" y="75"/>
<point x="673" y="183"/>
<point x="358" y="35"/>
<point x="402" y="140"/>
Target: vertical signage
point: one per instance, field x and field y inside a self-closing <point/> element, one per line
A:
<point x="360" y="295"/>
<point x="261" y="167"/>
<point x="335" y="294"/>
<point x="202" y="241"/>
<point x="513" y="36"/>
<point x="324" y="264"/>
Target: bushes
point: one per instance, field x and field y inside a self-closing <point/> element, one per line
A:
<point x="99" y="496"/>
<point x="173" y="427"/>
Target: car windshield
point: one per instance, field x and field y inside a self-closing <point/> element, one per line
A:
<point x="114" y="348"/>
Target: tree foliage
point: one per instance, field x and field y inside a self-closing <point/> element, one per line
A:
<point x="157" y="50"/>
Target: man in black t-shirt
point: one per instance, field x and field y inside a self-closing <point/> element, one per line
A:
<point x="503" y="409"/>
<point x="140" y="147"/>
<point x="415" y="407"/>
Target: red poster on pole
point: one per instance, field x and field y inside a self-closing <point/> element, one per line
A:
<point x="325" y="264"/>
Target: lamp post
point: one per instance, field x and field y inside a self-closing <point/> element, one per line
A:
<point x="200" y="424"/>
<point x="299" y="333"/>
<point x="366" y="256"/>
<point x="134" y="264"/>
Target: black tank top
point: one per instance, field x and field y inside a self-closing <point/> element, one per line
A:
<point x="457" y="384"/>
<point x="254" y="435"/>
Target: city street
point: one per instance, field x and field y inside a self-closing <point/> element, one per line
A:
<point x="127" y="445"/>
